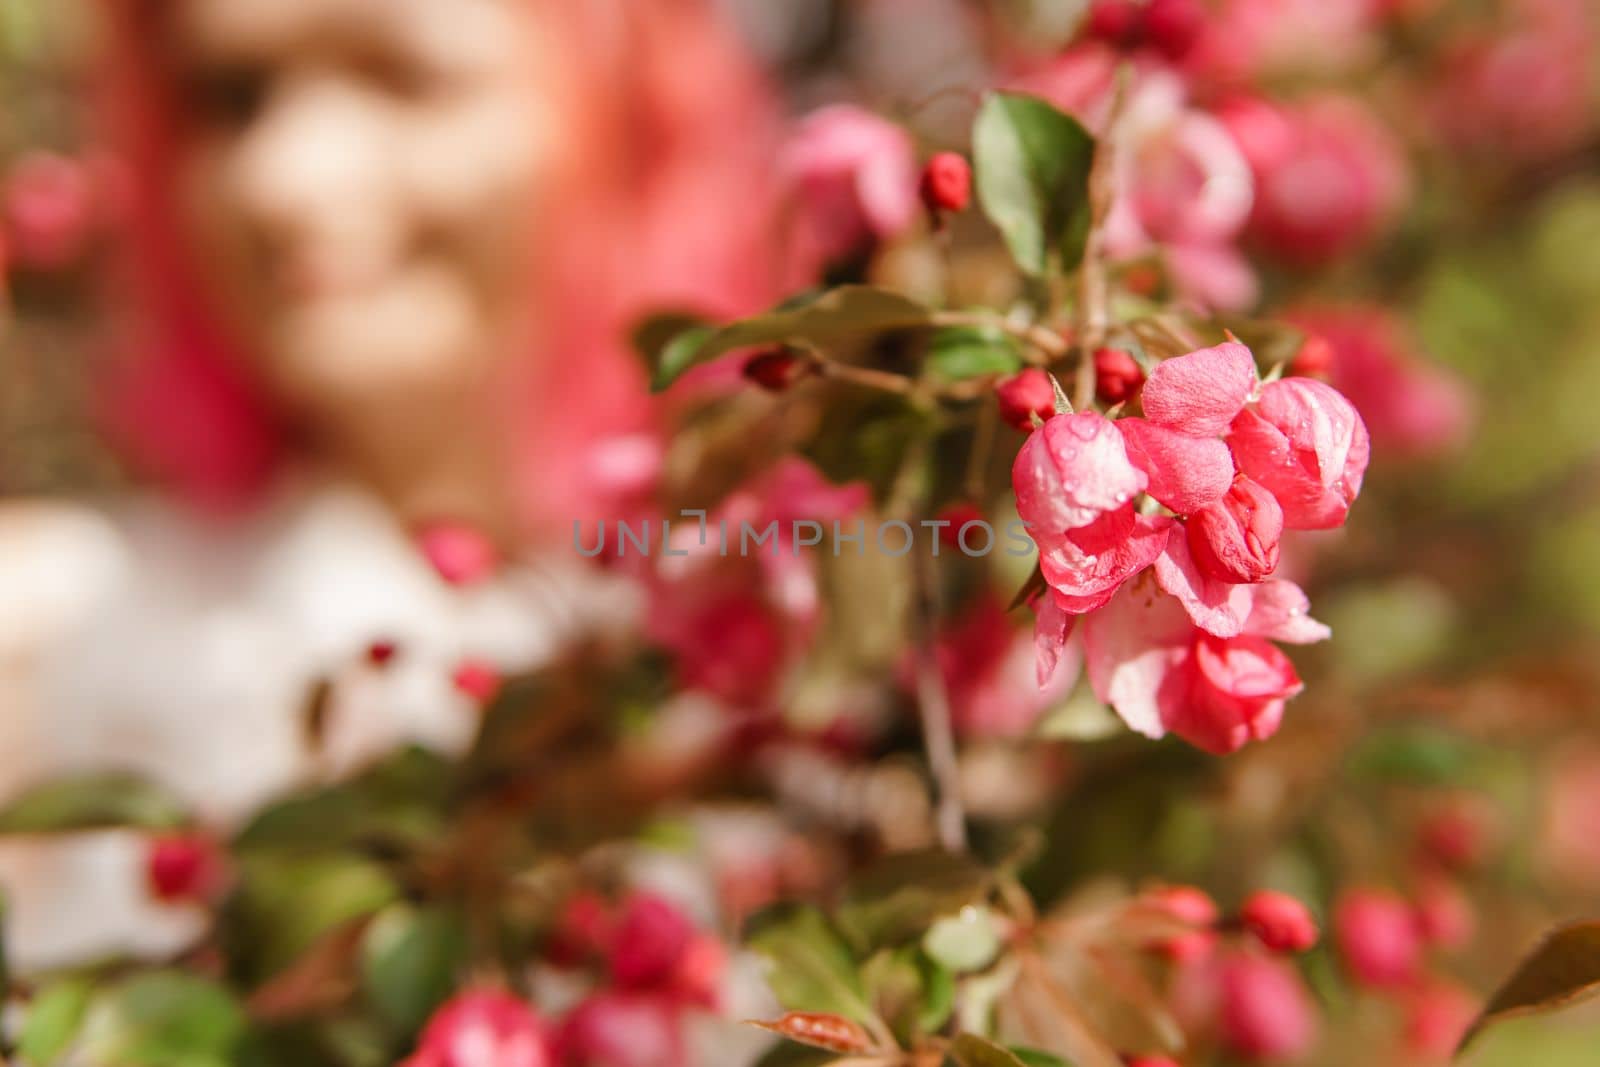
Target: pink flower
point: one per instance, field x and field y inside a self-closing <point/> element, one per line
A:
<point x="616" y="1029"/>
<point x="1307" y="445"/>
<point x="854" y="179"/>
<point x="1409" y="406"/>
<point x="1265" y="1012"/>
<point x="483" y="1028"/>
<point x="1521" y="88"/>
<point x="651" y="937"/>
<point x="1278" y="921"/>
<point x="1245" y="38"/>
<point x="1328" y="176"/>
<point x="1161" y="673"/>
<point x="1377" y="937"/>
<point x="1236" y="538"/>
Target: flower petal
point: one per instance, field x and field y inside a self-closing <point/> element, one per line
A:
<point x="1280" y="610"/>
<point x="1219" y="608"/>
<point x="1200" y="393"/>
<point x="1137" y="651"/>
<point x="1185" y="473"/>
<point x="1086" y="566"/>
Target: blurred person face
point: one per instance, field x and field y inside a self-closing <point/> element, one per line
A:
<point x="362" y="185"/>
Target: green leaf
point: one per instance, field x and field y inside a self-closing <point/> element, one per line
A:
<point x="285" y="903"/>
<point x="1563" y="970"/>
<point x="397" y="801"/>
<point x="1033" y="179"/>
<point x="169" y="1019"/>
<point x="970" y="1050"/>
<point x="92" y="802"/>
<point x="910" y="991"/>
<point x="410" y="959"/>
<point x="971" y="352"/>
<point x="811" y="970"/>
<point x="830" y="317"/>
<point x="54" y="1018"/>
<point x="896" y="901"/>
<point x="1032" y="1057"/>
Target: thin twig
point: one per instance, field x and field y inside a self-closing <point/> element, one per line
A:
<point x="1094" y="310"/>
<point x="933" y="700"/>
<point x="868" y="377"/>
<point x="938" y="736"/>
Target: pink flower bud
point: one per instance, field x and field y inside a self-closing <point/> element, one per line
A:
<point x="1185" y="903"/>
<point x="779" y="369"/>
<point x="1278" y="921"/>
<point x="1377" y="937"/>
<point x="616" y="1029"/>
<point x="1238" y="691"/>
<point x="461" y="554"/>
<point x="1444" y="914"/>
<point x="652" y="936"/>
<point x="584" y="931"/>
<point x="1117" y="376"/>
<point x="699" y="973"/>
<point x="1074" y="470"/>
<point x="476" y="680"/>
<point x="1236" y="538"/>
<point x="1119" y="22"/>
<point x="1307" y="445"/>
<point x="483" y="1028"/>
<point x="49" y="210"/>
<point x="1153" y="1061"/>
<point x="1266" y="1014"/>
<point x="183" y="868"/>
<point x="946" y="183"/>
<point x="1458" y="835"/>
<point x="1024" y="397"/>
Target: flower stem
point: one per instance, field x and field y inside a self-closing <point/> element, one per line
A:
<point x="1094" y="300"/>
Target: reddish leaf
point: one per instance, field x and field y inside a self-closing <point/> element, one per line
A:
<point x="832" y="1032"/>
<point x="1563" y="969"/>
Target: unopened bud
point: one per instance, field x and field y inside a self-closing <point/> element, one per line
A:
<point x="778" y="369"/>
<point x="1025" y="397"/>
<point x="1117" y="375"/>
<point x="946" y="184"/>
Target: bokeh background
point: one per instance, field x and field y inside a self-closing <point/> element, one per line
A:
<point x="1450" y="737"/>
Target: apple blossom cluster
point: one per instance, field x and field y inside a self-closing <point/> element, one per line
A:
<point x="654" y="968"/>
<point x="1159" y="536"/>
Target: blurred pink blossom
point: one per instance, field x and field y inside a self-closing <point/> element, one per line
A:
<point x="1411" y="408"/>
<point x="482" y="1028"/>
<point x="853" y="177"/>
<point x="1328" y="175"/>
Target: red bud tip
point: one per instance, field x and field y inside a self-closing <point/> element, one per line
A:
<point x="1117" y="375"/>
<point x="946" y="184"/>
<point x="1024" y="396"/>
<point x="381" y="653"/>
<point x="1279" y="921"/>
<point x="778" y="369"/>
<point x="476" y="680"/>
